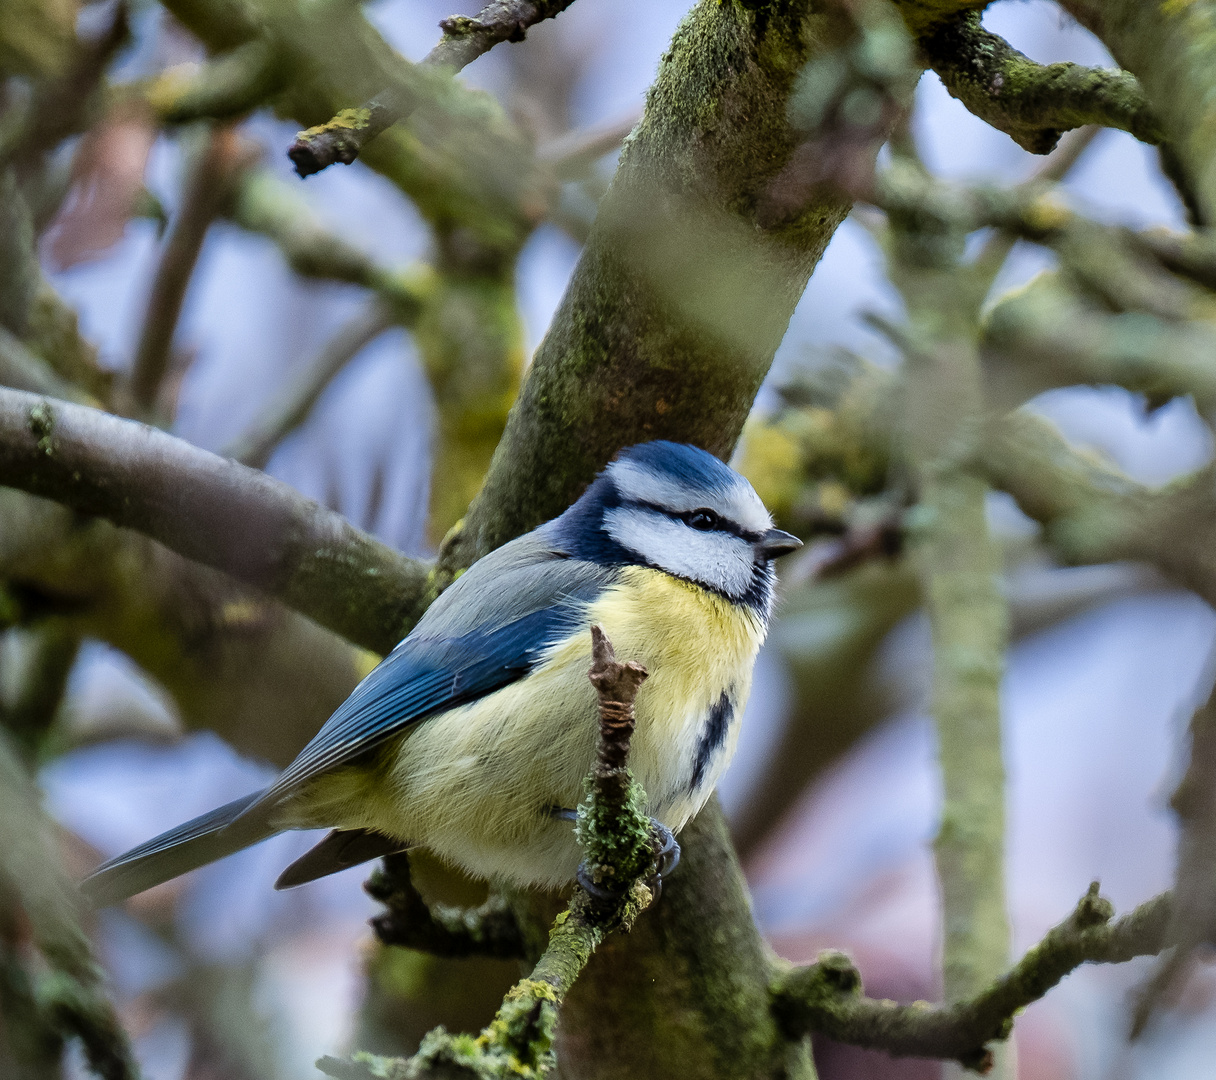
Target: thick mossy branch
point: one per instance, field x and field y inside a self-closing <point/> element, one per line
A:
<point x="620" y="852"/>
<point x="441" y="930"/>
<point x="826" y="997"/>
<point x="69" y="999"/>
<point x="465" y="38"/>
<point x="682" y="294"/>
<point x="1033" y="103"/>
<point x="215" y="511"/>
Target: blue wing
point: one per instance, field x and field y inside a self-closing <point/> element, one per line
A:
<point x="433" y="670"/>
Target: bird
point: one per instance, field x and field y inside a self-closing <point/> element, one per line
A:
<point x="473" y="737"/>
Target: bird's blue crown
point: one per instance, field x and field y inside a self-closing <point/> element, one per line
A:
<point x="687" y="465"/>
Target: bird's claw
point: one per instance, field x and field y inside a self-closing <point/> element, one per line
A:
<point x="666" y="860"/>
<point x="669" y="850"/>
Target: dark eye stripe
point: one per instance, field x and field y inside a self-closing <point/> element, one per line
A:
<point x="720" y="524"/>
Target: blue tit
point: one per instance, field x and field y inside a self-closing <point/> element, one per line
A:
<point x="473" y="737"/>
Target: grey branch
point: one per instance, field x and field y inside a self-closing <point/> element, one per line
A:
<point x="215" y="511"/>
<point x="1033" y="103"/>
<point x="464" y="40"/>
<point x="827" y="998"/>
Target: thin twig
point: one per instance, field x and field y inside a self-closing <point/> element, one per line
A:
<point x="490" y="929"/>
<point x="207" y="186"/>
<point x="570" y="156"/>
<point x="464" y="40"/>
<point x="215" y="511"/>
<point x="290" y="408"/>
<point x="1193" y="922"/>
<point x="826" y="997"/>
<point x="1058" y="164"/>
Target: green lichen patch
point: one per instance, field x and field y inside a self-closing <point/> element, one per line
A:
<point x="42" y="425"/>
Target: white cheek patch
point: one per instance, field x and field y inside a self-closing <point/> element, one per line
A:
<point x="737" y="503"/>
<point x="717" y="559"/>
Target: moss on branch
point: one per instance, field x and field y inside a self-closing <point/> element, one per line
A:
<point x="1033" y="103"/>
<point x="827" y="997"/>
<point x="681" y="294"/>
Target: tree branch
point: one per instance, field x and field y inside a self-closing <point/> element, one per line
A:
<point x="70" y="999"/>
<point x="22" y="370"/>
<point x="1192" y="924"/>
<point x="214" y="511"/>
<point x="826" y="997"/>
<point x="1171" y="51"/>
<point x="266" y="205"/>
<point x="236" y="662"/>
<point x="959" y="566"/>
<point x="464" y="39"/>
<point x="1033" y="103"/>
<point x="441" y="930"/>
<point x="208" y="181"/>
<point x="226" y="87"/>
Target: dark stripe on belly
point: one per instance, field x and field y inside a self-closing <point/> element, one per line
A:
<point x="713" y="738"/>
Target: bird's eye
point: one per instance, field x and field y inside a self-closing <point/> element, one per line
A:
<point x="703" y="519"/>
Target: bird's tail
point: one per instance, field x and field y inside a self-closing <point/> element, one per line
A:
<point x="220" y="832"/>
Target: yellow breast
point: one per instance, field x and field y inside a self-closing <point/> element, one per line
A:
<point x="697" y="647"/>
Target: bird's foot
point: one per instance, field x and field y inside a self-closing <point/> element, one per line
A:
<point x="666" y="860"/>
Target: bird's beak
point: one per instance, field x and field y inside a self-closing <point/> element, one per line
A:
<point x="775" y="542"/>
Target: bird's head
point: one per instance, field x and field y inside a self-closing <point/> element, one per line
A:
<point x="679" y="509"/>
